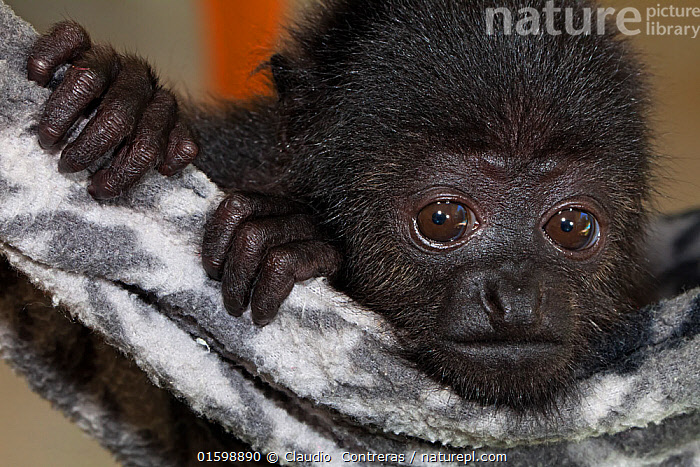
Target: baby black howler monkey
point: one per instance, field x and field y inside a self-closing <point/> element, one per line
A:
<point x="483" y="192"/>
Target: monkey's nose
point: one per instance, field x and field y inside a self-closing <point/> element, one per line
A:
<point x="512" y="305"/>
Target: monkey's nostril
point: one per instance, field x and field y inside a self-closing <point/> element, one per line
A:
<point x="539" y="299"/>
<point x="510" y="306"/>
<point x="491" y="302"/>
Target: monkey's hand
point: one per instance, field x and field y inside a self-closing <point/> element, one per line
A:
<point x="135" y="116"/>
<point x="259" y="246"/>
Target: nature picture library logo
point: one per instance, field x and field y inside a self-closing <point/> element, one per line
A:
<point x="659" y="20"/>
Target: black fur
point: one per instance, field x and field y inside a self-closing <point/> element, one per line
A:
<point x="379" y="99"/>
<point x="382" y="106"/>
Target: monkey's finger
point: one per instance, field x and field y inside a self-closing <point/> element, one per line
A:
<point x="232" y="212"/>
<point x="285" y="265"/>
<point x="65" y="42"/>
<point x="82" y="84"/>
<point x="182" y="150"/>
<point x="116" y="117"/>
<point x="253" y="240"/>
<point x="144" y="152"/>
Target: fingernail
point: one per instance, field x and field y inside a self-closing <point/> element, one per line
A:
<point x="233" y="310"/>
<point x="262" y="322"/>
<point x="98" y="188"/>
<point x="65" y="166"/>
<point x="37" y="71"/>
<point x="189" y="149"/>
<point x="47" y="140"/>
<point x="212" y="268"/>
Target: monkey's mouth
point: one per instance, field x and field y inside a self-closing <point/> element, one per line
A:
<point x="508" y="352"/>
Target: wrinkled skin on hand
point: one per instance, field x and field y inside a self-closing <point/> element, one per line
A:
<point x="257" y="245"/>
<point x="136" y="117"/>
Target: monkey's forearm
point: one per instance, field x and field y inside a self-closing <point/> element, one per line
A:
<point x="238" y="143"/>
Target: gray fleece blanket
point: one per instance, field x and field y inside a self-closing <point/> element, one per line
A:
<point x="322" y="384"/>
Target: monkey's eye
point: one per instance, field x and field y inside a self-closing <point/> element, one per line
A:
<point x="445" y="221"/>
<point x="573" y="229"/>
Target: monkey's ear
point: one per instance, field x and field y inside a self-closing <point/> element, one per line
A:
<point x="284" y="75"/>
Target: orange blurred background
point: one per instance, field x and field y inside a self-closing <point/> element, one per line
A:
<point x="237" y="38"/>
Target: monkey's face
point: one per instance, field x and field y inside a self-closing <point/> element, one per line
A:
<point x="487" y="191"/>
<point x="498" y="273"/>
